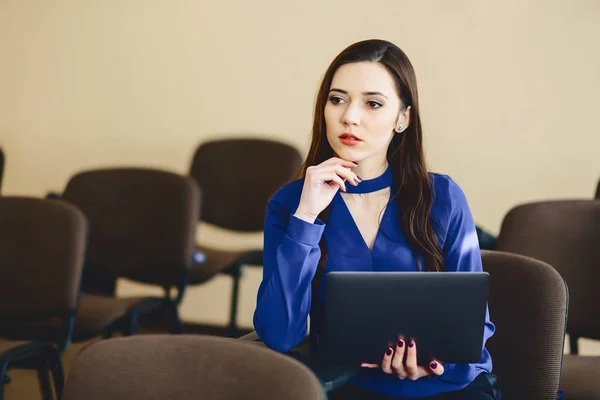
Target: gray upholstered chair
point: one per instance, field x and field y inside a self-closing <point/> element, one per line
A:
<point x="566" y="235"/>
<point x="528" y="304"/>
<point x="187" y="367"/>
<point x="142" y="227"/>
<point x="237" y="178"/>
<point x="42" y="244"/>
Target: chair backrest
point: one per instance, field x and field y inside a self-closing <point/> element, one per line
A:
<point x="566" y="235"/>
<point x="528" y="304"/>
<point x="238" y="176"/>
<point x="187" y="367"/>
<point x="142" y="222"/>
<point x="42" y="245"/>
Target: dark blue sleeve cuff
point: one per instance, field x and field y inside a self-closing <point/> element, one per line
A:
<point x="304" y="232"/>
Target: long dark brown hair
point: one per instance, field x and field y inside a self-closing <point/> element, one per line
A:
<point x="414" y="194"/>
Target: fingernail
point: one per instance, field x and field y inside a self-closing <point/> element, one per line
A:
<point x="400" y="343"/>
<point x="389" y="351"/>
<point x="433" y="365"/>
<point x="354" y="162"/>
<point x="359" y="178"/>
<point x="411" y="343"/>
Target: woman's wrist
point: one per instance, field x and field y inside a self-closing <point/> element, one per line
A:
<point x="305" y="217"/>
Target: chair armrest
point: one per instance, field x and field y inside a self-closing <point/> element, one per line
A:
<point x="254" y="257"/>
<point x="252" y="336"/>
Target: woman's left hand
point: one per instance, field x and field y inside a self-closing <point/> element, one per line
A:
<point x="394" y="362"/>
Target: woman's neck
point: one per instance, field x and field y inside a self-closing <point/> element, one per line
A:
<point x="369" y="170"/>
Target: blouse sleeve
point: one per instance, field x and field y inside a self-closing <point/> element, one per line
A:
<point x="291" y="255"/>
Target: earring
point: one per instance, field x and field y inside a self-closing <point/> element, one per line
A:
<point x="399" y="129"/>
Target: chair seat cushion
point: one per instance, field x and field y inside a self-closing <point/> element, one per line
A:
<point x="581" y="377"/>
<point x="20" y="350"/>
<point x="216" y="261"/>
<point x="7" y="345"/>
<point x="96" y="312"/>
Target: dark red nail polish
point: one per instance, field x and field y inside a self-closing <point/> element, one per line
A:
<point x="359" y="178"/>
<point x="433" y="365"/>
<point x="411" y="344"/>
<point x="389" y="351"/>
<point x="400" y="343"/>
<point x="354" y="162"/>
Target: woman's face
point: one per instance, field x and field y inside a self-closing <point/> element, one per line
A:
<point x="363" y="103"/>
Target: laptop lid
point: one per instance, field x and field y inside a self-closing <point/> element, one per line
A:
<point x="365" y="312"/>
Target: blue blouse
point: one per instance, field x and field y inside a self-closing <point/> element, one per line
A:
<point x="291" y="255"/>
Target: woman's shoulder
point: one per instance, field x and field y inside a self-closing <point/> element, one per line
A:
<point x="443" y="184"/>
<point x="448" y="195"/>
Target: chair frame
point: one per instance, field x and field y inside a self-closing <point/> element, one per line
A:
<point x="43" y="357"/>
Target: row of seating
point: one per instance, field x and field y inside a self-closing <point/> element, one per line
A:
<point x="527" y="297"/>
<point x="135" y="223"/>
<point x="142" y="221"/>
<point x="564" y="234"/>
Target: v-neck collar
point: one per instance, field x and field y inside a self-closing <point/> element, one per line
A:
<point x="381" y="182"/>
<point x="355" y="228"/>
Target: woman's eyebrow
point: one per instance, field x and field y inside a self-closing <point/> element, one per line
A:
<point x="364" y="93"/>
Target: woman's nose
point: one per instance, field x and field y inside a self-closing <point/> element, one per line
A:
<point x="351" y="115"/>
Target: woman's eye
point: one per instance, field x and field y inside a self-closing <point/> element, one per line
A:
<point x="374" y="104"/>
<point x="336" y="99"/>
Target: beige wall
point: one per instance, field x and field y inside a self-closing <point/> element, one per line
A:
<point x="508" y="91"/>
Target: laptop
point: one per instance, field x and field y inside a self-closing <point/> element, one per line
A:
<point x="365" y="312"/>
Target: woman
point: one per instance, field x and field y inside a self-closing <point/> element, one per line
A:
<point x="366" y="163"/>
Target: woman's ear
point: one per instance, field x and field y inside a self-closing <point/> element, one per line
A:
<point x="403" y="120"/>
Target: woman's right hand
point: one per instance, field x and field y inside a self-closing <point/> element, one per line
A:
<point x="321" y="183"/>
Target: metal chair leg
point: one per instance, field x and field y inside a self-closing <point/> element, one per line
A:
<point x="176" y="324"/>
<point x="132" y="323"/>
<point x="44" y="381"/>
<point x="4" y="379"/>
<point x="574" y="344"/>
<point x="58" y="375"/>
<point x="232" y="329"/>
<point x="45" y="361"/>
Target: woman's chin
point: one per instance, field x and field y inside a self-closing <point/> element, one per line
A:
<point x="347" y="153"/>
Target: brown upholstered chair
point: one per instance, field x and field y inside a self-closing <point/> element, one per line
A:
<point x="566" y="235"/>
<point x="42" y="244"/>
<point x="187" y="367"/>
<point x="237" y="178"/>
<point x="528" y="304"/>
<point x="142" y="227"/>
